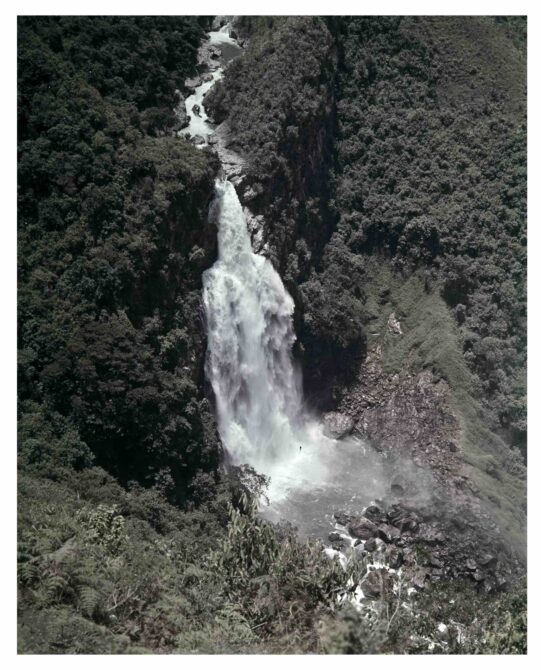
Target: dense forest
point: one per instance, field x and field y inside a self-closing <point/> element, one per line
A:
<point x="112" y="242"/>
<point x="387" y="156"/>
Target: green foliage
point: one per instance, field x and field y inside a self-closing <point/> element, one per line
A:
<point x="433" y="174"/>
<point x="111" y="207"/>
<point x="141" y="575"/>
<point x="48" y="440"/>
<point x="476" y="624"/>
<point x="275" y="580"/>
<point x="102" y="526"/>
<point x="387" y="183"/>
<point x="278" y="100"/>
<point x="432" y="340"/>
<point x="411" y="146"/>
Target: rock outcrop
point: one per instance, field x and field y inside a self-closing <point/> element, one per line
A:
<point x="337" y="425"/>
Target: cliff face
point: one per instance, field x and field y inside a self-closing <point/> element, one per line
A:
<point x="279" y="103"/>
<point x="399" y="230"/>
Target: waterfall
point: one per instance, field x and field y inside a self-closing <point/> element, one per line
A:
<point x="250" y="337"/>
<point x="257" y="388"/>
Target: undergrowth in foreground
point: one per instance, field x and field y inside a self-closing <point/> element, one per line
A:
<point x="102" y="569"/>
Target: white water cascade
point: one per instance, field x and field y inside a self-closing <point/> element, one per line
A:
<point x="249" y="363"/>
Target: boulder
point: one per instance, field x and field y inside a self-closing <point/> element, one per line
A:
<point x="362" y="528"/>
<point x="395" y="558"/>
<point x="342" y="518"/>
<point x="183" y="119"/>
<point x="251" y="192"/>
<point x="371" y="544"/>
<point x="487" y="560"/>
<point x="398" y="485"/>
<point x="396" y="514"/>
<point x="198" y="139"/>
<point x="434" y="561"/>
<point x="418" y="579"/>
<point x="471" y="565"/>
<point x="408" y="524"/>
<point x="375" y="514"/>
<point x="193" y="82"/>
<point x="196" y="110"/>
<point x="387" y="533"/>
<point x="375" y="583"/>
<point x="443" y="633"/>
<point x="337" y="425"/>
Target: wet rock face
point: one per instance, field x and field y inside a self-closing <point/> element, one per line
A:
<point x="387" y="533"/>
<point x="337" y="425"/>
<point x="423" y="540"/>
<point x="342" y="518"/>
<point x="375" y="513"/>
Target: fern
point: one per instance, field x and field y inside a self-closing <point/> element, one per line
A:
<point x="89" y="600"/>
<point x="28" y="572"/>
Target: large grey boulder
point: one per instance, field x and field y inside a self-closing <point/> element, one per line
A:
<point x="362" y="528"/>
<point x="337" y="425"/>
<point x="387" y="533"/>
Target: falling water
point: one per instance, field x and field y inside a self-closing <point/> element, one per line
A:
<point x="250" y="335"/>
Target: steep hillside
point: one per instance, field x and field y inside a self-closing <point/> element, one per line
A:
<point x="425" y="121"/>
<point x="113" y="238"/>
